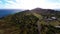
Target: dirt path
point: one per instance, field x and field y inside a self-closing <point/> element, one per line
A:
<point x="38" y="22"/>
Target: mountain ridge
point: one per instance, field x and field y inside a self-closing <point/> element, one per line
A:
<point x="35" y="21"/>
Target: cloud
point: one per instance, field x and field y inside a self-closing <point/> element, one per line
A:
<point x="53" y="1"/>
<point x="48" y="4"/>
<point x="9" y="4"/>
<point x="29" y="4"/>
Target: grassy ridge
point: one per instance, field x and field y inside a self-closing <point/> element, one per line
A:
<point x="26" y="23"/>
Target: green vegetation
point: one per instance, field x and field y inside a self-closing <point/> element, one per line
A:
<point x="19" y="23"/>
<point x="26" y="23"/>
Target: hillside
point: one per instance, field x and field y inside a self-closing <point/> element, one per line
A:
<point x="36" y="21"/>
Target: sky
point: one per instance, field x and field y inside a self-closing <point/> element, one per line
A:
<point x="29" y="4"/>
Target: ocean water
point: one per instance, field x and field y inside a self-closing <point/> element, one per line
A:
<point x="5" y="12"/>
